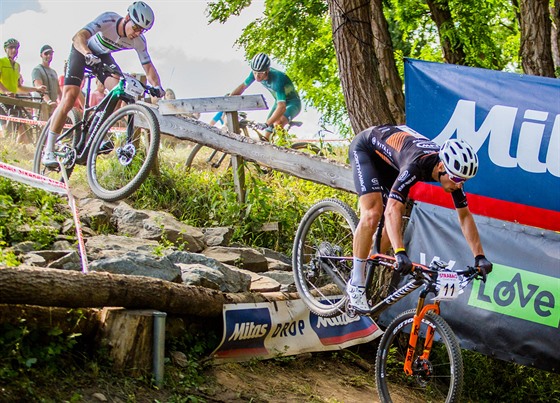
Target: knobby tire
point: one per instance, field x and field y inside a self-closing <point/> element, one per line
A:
<point x="123" y="152"/>
<point x="326" y="229"/>
<point x="438" y="379"/>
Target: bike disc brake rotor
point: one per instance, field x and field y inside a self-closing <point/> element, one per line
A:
<point x="126" y="154"/>
<point x="423" y="371"/>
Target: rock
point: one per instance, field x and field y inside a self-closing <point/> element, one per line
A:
<point x="139" y="265"/>
<point x="246" y="258"/>
<point x="219" y="236"/>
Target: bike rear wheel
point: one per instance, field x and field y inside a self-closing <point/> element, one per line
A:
<point x="65" y="147"/>
<point x="123" y="152"/>
<point x="327" y="229"/>
<point x="307" y="147"/>
<point x="438" y="378"/>
<point x="203" y="157"/>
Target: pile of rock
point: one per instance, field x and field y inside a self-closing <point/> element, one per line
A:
<point x="195" y="256"/>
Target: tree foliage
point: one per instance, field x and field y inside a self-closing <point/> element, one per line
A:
<point x="298" y="34"/>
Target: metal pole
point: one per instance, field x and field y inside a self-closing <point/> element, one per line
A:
<point x="159" y="346"/>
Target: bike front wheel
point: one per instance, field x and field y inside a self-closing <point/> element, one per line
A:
<point x="123" y="152"/>
<point x="326" y="230"/>
<point x="436" y="378"/>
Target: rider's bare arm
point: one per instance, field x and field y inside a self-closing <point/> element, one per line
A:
<point x="152" y="74"/>
<point x="80" y="41"/>
<point x="239" y="90"/>
<point x="470" y="231"/>
<point x="393" y="222"/>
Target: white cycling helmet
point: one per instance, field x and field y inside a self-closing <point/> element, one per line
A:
<point x="459" y="158"/>
<point x="141" y="14"/>
<point x="260" y="62"/>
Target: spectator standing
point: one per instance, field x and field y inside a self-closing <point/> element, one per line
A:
<point x="11" y="82"/>
<point x="98" y="94"/>
<point x="44" y="74"/>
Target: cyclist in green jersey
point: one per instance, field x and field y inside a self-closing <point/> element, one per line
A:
<point x="287" y="103"/>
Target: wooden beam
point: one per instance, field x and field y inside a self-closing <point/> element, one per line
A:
<point x="302" y="165"/>
<point x="23" y="102"/>
<point x="213" y="104"/>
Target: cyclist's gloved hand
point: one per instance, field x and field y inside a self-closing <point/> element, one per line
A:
<point x="404" y="265"/>
<point x="158" y="92"/>
<point x="261" y="126"/>
<point x="484" y="266"/>
<point x="92" y="60"/>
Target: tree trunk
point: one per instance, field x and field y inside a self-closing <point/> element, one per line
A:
<point x="555" y="34"/>
<point x="535" y="50"/>
<point x="389" y="75"/>
<point x="71" y="289"/>
<point x="453" y="51"/>
<point x="358" y="66"/>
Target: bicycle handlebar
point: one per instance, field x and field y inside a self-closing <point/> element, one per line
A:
<point x="113" y="69"/>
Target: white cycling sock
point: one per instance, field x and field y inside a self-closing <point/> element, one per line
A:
<point x="358" y="272"/>
<point x="50" y="141"/>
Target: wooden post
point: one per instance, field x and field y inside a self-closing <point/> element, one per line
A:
<point x="129" y="334"/>
<point x="236" y="160"/>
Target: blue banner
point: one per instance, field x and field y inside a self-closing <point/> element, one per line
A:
<point x="511" y="120"/>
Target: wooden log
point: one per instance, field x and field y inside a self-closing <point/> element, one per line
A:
<point x="72" y="289"/>
<point x="213" y="104"/>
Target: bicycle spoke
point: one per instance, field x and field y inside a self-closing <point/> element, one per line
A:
<point x="326" y="230"/>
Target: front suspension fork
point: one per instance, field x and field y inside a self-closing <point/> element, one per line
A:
<point x="421" y="311"/>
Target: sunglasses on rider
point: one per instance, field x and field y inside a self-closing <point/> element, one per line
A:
<point x="456" y="179"/>
<point x="138" y="28"/>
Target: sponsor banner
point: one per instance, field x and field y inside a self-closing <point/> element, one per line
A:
<point x="270" y="329"/>
<point x="515" y="315"/>
<point x="516" y="136"/>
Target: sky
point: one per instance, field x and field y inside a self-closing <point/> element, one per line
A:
<point x="194" y="58"/>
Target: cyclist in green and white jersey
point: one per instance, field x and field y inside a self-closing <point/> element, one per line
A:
<point x="287" y="103"/>
<point x="94" y="44"/>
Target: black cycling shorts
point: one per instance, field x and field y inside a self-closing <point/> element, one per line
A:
<point x="371" y="173"/>
<point x="77" y="65"/>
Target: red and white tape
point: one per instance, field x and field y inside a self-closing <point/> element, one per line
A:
<point x="51" y="185"/>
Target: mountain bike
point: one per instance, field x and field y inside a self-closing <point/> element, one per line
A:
<point x="118" y="145"/>
<point x="418" y="347"/>
<point x="214" y="158"/>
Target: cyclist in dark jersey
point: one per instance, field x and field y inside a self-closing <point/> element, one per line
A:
<point x="386" y="162"/>
<point x="287" y="104"/>
<point x="94" y="44"/>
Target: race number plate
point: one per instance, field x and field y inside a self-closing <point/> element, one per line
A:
<point x="449" y="286"/>
<point x="132" y="86"/>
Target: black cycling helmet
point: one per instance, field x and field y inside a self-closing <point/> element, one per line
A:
<point x="11" y="42"/>
<point x="260" y="62"/>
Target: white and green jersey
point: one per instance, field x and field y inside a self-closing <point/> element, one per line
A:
<point x="105" y="38"/>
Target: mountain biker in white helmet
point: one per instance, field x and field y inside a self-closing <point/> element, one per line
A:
<point x="287" y="104"/>
<point x="386" y="162"/>
<point x="94" y="44"/>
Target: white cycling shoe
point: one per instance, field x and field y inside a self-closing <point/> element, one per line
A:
<point x="49" y="160"/>
<point x="357" y="298"/>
